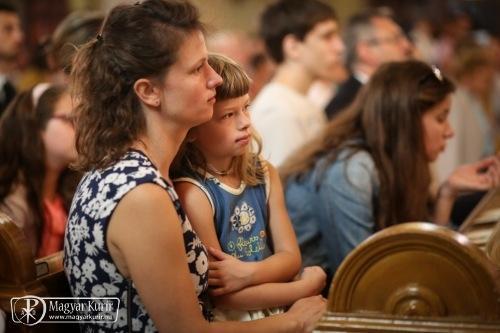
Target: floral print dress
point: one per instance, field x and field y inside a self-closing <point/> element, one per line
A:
<point x="89" y="267"/>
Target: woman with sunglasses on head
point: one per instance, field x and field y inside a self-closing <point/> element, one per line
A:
<point x="369" y="169"/>
<point x="36" y="147"/>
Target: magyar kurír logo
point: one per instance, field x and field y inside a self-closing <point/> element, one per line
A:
<point x="28" y="310"/>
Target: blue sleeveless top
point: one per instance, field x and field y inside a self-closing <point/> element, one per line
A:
<point x="240" y="216"/>
<point x="88" y="265"/>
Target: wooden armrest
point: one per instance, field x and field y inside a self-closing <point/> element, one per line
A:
<point x="49" y="265"/>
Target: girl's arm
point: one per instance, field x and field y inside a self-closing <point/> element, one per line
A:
<point x="155" y="260"/>
<point x="260" y="296"/>
<point x="201" y="216"/>
<point x="285" y="263"/>
<point x="282" y="266"/>
<point x="479" y="176"/>
<point x="271" y="295"/>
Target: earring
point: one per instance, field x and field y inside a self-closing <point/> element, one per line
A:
<point x="157" y="103"/>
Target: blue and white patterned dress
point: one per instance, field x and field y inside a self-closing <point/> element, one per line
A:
<point x="89" y="267"/>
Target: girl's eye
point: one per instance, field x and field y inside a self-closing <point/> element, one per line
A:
<point x="441" y="119"/>
<point x="199" y="68"/>
<point x="228" y="115"/>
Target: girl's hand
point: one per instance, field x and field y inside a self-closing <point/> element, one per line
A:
<point x="315" y="278"/>
<point x="307" y="312"/>
<point x="479" y="176"/>
<point x="227" y="274"/>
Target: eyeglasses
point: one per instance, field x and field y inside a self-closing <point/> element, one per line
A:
<point x="394" y="39"/>
<point x="67" y="118"/>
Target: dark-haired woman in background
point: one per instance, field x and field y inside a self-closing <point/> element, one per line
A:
<point x="36" y="147"/>
<point x="369" y="169"/>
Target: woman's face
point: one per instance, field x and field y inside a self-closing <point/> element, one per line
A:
<point x="436" y="128"/>
<point x="59" y="134"/>
<point x="188" y="91"/>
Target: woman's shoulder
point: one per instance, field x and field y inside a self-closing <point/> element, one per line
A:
<point x="351" y="158"/>
<point x="357" y="166"/>
<point x="360" y="159"/>
<point x="133" y="166"/>
<point x="114" y="181"/>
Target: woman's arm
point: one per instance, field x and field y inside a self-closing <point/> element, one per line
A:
<point x="146" y="243"/>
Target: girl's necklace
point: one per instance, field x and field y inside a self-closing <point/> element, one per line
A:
<point x="214" y="170"/>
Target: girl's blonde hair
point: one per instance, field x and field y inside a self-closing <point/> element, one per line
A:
<point x="248" y="166"/>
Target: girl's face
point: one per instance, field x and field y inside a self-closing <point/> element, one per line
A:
<point x="59" y="134"/>
<point x="436" y="128"/>
<point x="188" y="90"/>
<point x="228" y="133"/>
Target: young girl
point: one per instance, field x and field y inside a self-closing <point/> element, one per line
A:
<point x="234" y="201"/>
<point x="369" y="169"/>
<point x="36" y="146"/>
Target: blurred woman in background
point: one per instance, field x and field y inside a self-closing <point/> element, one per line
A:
<point x="36" y="147"/>
<point x="369" y="169"/>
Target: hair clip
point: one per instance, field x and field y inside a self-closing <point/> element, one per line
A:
<point x="99" y="38"/>
<point x="38" y="91"/>
<point x="437" y="73"/>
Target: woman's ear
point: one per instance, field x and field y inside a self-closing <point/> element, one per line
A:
<point x="148" y="92"/>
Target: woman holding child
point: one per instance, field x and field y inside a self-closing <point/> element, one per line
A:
<point x="141" y="85"/>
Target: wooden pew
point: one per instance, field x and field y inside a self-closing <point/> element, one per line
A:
<point x="22" y="275"/>
<point x="414" y="277"/>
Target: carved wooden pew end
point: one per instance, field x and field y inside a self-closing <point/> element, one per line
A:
<point x="414" y="275"/>
<point x="22" y="275"/>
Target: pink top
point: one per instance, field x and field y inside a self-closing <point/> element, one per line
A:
<point x="53" y="228"/>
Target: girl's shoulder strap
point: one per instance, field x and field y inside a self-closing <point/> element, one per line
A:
<point x="199" y="185"/>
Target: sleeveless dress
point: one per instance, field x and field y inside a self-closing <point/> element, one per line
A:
<point x="242" y="226"/>
<point x="88" y="265"/>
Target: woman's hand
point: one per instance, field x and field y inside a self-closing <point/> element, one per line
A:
<point x="306" y="312"/>
<point x="479" y="176"/>
<point x="228" y="274"/>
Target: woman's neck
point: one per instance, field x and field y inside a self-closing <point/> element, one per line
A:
<point x="161" y="146"/>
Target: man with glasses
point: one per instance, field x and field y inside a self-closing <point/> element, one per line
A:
<point x="371" y="38"/>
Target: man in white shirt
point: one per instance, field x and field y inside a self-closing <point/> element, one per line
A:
<point x="302" y="37"/>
